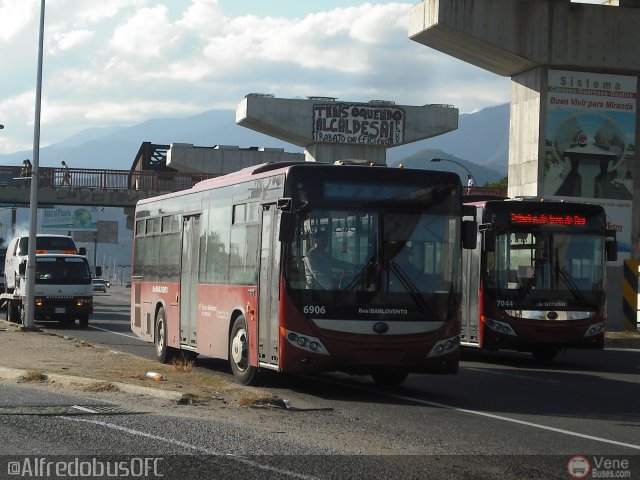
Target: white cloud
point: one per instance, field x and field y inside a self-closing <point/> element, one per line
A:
<point x="145" y="34"/>
<point x="118" y="61"/>
<point x="68" y="40"/>
<point x="14" y="16"/>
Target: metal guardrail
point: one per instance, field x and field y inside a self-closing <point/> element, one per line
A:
<point x="152" y="181"/>
<point x="481" y="192"/>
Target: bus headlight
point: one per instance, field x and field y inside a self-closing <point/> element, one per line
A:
<point x="500" y="327"/>
<point x="595" y="329"/>
<point x="445" y="346"/>
<point x="304" y="342"/>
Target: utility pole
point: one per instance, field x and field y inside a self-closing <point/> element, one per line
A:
<point x="29" y="317"/>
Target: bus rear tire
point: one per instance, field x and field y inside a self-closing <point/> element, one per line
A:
<point x="388" y="378"/>
<point x="164" y="353"/>
<point x="244" y="373"/>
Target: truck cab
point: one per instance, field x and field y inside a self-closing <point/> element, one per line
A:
<point x="63" y="290"/>
<point x="18" y="250"/>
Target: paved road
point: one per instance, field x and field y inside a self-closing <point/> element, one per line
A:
<point x="506" y="404"/>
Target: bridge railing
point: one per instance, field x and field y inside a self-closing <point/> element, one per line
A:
<point x="153" y="181"/>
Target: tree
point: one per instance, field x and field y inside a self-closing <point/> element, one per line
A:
<point x="502" y="183"/>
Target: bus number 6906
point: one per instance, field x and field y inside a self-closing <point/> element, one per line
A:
<point x="315" y="309"/>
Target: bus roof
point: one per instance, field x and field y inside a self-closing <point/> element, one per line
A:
<point x="268" y="169"/>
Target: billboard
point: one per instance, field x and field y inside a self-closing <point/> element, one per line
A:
<point x="590" y="144"/>
<point x="69" y="218"/>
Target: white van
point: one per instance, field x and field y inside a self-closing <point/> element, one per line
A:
<point x="17" y="251"/>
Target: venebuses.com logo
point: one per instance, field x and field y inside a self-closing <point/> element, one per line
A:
<point x="598" y="467"/>
<point x="578" y="467"/>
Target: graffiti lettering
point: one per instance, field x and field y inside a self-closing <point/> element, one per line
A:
<point x="358" y="124"/>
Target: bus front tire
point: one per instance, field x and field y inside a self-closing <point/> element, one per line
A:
<point x="164" y="353"/>
<point x="244" y="373"/>
<point x="84" y="321"/>
<point x="545" y="355"/>
<point x="388" y="378"/>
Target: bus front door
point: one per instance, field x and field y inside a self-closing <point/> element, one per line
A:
<point x="268" y="287"/>
<point x="189" y="280"/>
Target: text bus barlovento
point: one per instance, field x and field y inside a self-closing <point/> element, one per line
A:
<point x="224" y="270"/>
<point x="537" y="280"/>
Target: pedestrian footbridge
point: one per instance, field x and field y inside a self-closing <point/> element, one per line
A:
<point x="92" y="187"/>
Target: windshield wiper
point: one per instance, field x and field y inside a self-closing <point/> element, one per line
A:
<point x="561" y="273"/>
<point x="409" y="286"/>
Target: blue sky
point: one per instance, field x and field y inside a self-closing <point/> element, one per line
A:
<point x="121" y="62"/>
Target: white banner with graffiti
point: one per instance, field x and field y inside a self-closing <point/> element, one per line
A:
<point x="360" y="124"/>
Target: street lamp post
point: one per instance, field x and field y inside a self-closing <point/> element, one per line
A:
<point x="457" y="163"/>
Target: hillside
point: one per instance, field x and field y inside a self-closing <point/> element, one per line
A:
<point x="480" y="143"/>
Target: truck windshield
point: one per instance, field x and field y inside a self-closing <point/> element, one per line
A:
<point x="534" y="266"/>
<point x="62" y="270"/>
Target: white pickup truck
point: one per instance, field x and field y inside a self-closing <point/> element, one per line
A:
<point x="63" y="290"/>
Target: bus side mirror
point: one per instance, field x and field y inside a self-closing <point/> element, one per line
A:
<point x="22" y="268"/>
<point x="98" y="271"/>
<point x="82" y="251"/>
<point x="611" y="248"/>
<point x="287" y="227"/>
<point x="469" y="234"/>
<point x="490" y="240"/>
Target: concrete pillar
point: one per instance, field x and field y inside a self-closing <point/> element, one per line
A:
<point x="574" y="130"/>
<point x="331" y="130"/>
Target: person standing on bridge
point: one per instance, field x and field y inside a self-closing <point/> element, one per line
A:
<point x="25" y="172"/>
<point x="66" y="175"/>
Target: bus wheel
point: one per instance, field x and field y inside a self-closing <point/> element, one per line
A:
<point x="164" y="353"/>
<point x="239" y="353"/>
<point x="84" y="321"/>
<point x="387" y="378"/>
<point x="545" y="355"/>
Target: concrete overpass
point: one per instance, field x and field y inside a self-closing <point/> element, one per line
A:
<point x="93" y="187"/>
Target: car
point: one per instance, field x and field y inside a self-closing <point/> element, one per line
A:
<point x="127" y="285"/>
<point x="99" y="285"/>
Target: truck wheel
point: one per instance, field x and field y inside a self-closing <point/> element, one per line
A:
<point x="84" y="321"/>
<point x="244" y="373"/>
<point x="164" y="353"/>
<point x="13" y="313"/>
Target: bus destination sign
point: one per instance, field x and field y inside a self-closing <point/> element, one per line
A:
<point x="547" y="219"/>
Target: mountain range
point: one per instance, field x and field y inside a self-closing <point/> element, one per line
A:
<point x="480" y="143"/>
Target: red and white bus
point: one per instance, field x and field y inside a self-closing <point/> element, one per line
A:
<point x="220" y="270"/>
<point x="537" y="280"/>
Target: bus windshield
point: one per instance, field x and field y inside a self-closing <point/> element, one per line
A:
<point x="376" y="258"/>
<point x="546" y="268"/>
